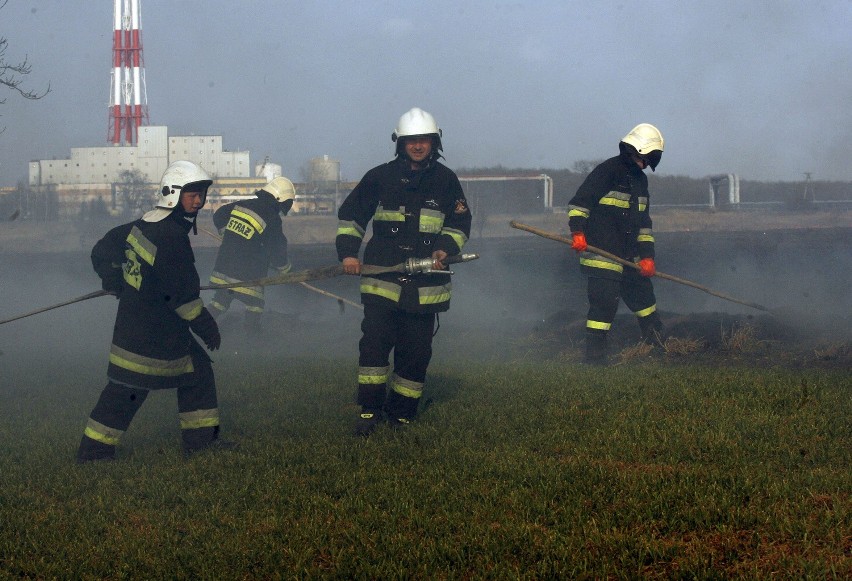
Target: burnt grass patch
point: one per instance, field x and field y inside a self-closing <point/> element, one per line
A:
<point x="713" y="338"/>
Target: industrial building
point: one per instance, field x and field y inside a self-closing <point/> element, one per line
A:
<point x="151" y="155"/>
<point x="94" y="173"/>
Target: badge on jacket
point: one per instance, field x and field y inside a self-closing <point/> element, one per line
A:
<point x="461" y="206"/>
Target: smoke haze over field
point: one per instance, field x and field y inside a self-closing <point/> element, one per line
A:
<point x="515" y="287"/>
<point x="759" y="88"/>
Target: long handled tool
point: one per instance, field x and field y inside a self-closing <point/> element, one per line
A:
<point x="340" y="300"/>
<point x="605" y="254"/>
<point x="410" y="266"/>
<point x="93" y="295"/>
<point x="290" y="277"/>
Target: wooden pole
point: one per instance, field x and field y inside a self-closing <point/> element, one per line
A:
<point x="93" y="295"/>
<point x="605" y="254"/>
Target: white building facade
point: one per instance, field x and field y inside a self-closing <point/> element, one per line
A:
<point x="151" y="155"/>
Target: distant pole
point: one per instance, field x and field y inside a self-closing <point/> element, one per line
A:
<point x="128" y="109"/>
<point x="808" y="195"/>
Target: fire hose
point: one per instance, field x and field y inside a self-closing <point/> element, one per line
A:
<point x="410" y="266"/>
<point x="340" y="300"/>
<point x="623" y="262"/>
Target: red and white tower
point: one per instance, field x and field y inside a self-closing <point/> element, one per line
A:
<point x="128" y="108"/>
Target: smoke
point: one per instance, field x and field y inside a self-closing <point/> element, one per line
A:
<point x="52" y="347"/>
<point x="517" y="286"/>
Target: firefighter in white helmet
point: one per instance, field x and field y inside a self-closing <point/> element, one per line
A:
<point x="149" y="265"/>
<point x="252" y="243"/>
<point x="611" y="211"/>
<point x="418" y="210"/>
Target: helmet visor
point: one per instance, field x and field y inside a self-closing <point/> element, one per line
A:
<point x="652" y="158"/>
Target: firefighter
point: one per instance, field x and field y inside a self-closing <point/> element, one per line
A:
<point x="252" y="244"/>
<point x="418" y="210"/>
<point x="149" y="265"/>
<point x="611" y="211"/>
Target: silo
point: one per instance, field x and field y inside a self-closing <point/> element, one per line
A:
<point x="325" y="173"/>
<point x="324" y="184"/>
<point x="268" y="170"/>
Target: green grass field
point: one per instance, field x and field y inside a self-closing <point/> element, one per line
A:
<point x="525" y="468"/>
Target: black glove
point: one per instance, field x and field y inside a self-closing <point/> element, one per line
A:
<point x="204" y="325"/>
<point x="113" y="285"/>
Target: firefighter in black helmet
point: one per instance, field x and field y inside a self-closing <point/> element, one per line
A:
<point x="149" y="264"/>
<point x="611" y="211"/>
<point x="418" y="210"/>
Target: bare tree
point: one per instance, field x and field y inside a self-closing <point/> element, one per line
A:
<point x="134" y="191"/>
<point x="12" y="74"/>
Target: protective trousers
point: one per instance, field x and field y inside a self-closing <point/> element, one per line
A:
<point x="197" y="410"/>
<point x="409" y="335"/>
<point x="252" y="297"/>
<point x="604" y="295"/>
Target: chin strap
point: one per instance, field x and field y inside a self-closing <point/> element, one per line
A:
<point x="193" y="218"/>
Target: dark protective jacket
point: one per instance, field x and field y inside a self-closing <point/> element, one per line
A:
<point x="414" y="213"/>
<point x="611" y="207"/>
<point x="152" y="267"/>
<point x="252" y="239"/>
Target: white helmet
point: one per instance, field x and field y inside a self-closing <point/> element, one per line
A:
<point x="648" y="143"/>
<point x="417" y="122"/>
<point x="176" y="178"/>
<point x="281" y="189"/>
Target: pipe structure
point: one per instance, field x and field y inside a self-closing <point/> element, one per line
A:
<point x="547" y="181"/>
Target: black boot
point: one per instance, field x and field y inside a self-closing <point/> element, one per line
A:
<point x="371" y="398"/>
<point x="253" y="324"/>
<point x="199" y="439"/>
<point x="401" y="410"/>
<point x="93" y="451"/>
<point x="651" y="328"/>
<point x="368" y="420"/>
<point x="596" y="348"/>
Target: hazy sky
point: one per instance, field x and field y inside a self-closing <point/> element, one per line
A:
<point x="757" y="87"/>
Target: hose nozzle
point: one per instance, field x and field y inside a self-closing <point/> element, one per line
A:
<point x="426" y="265"/>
